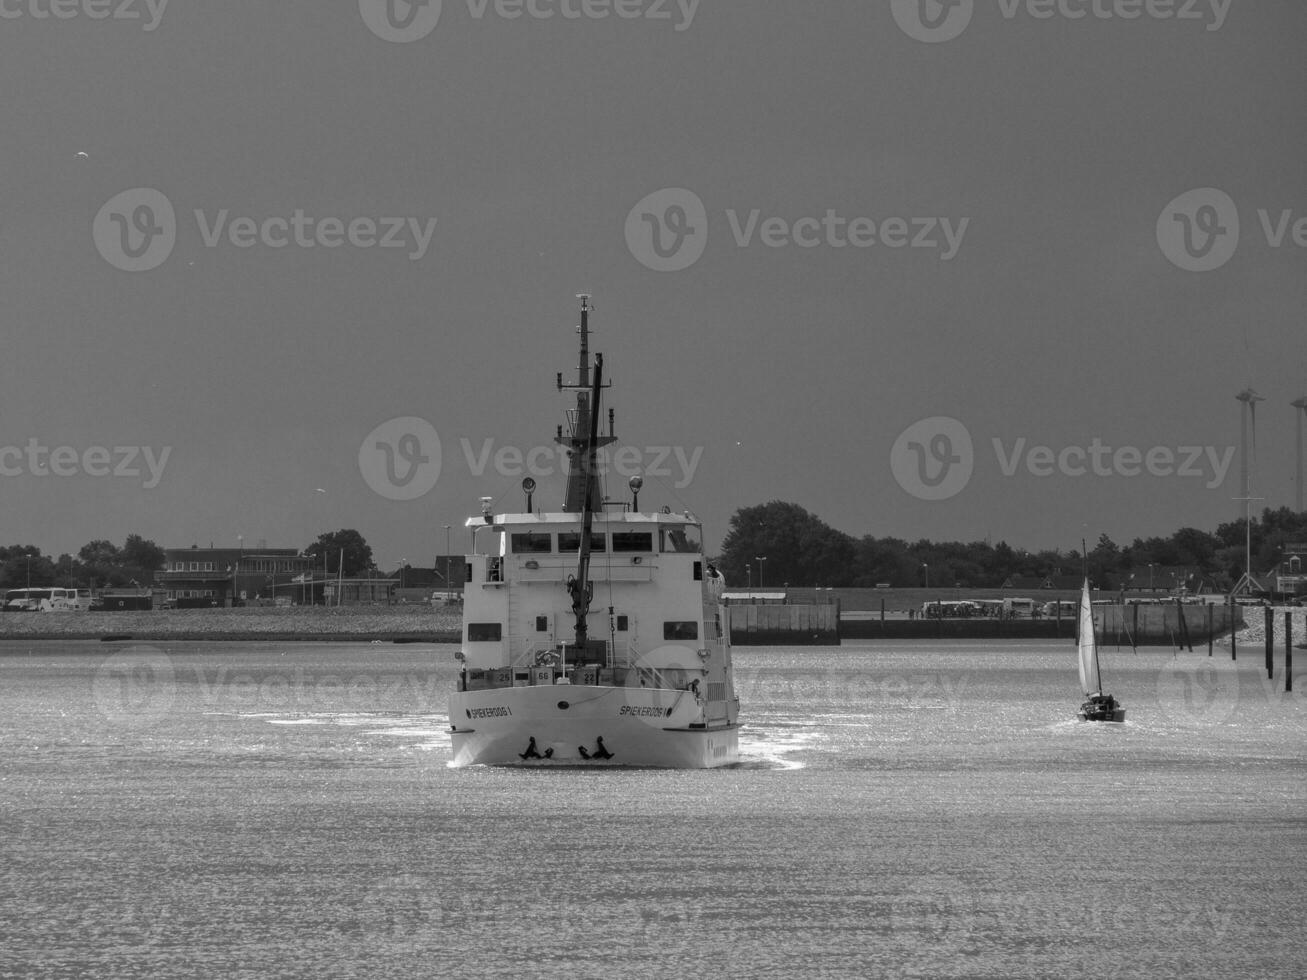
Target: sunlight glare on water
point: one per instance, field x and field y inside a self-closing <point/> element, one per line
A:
<point x="898" y="810"/>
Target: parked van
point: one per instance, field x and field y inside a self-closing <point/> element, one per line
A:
<point x="47" y="600"/>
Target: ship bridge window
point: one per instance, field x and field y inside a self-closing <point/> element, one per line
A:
<point x="632" y="541"/>
<point x="484" y="632"/>
<point x="571" y="541"/>
<point x="683" y="540"/>
<point x="681" y="630"/>
<point x="532" y="543"/>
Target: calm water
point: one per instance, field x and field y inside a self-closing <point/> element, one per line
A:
<point x="246" y="810"/>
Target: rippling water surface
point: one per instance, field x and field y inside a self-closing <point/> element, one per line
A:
<point x="916" y="811"/>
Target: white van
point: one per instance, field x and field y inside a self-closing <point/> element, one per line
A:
<point x="47" y="600"/>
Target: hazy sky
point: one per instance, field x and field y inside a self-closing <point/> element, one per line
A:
<point x="986" y="221"/>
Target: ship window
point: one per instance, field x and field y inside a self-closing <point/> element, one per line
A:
<point x="698" y="571"/>
<point x="484" y="632"/>
<point x="531" y="543"/>
<point x="682" y="630"/>
<point x="682" y="540"/>
<point x="623" y="624"/>
<point x="542" y="624"/>
<point x="632" y="541"/>
<point x="571" y="541"/>
<point x="467" y="569"/>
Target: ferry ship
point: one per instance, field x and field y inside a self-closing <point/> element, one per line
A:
<point x="596" y="635"/>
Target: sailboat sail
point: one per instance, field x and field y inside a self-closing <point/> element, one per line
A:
<point x="1086" y="647"/>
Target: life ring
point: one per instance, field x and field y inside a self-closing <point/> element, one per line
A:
<point x="547" y="658"/>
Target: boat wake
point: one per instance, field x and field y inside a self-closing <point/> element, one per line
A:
<point x="433" y="727"/>
<point x="772" y="748"/>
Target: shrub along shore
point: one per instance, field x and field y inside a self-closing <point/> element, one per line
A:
<point x="352" y="623"/>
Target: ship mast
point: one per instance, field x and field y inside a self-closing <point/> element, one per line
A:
<point x="583" y="442"/>
<point x="583" y="423"/>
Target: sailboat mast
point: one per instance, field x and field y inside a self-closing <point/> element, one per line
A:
<point x="1098" y="668"/>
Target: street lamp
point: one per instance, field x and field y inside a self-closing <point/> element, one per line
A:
<point x="448" y="586"/>
<point x="748" y="576"/>
<point x="760" y="559"/>
<point x="927" y="568"/>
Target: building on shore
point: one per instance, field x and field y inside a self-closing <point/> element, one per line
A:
<point x="203" y="577"/>
<point x="1291" y="573"/>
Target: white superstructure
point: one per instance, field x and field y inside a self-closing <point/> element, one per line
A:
<point x="595" y="635"/>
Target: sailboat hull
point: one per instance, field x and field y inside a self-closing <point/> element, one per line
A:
<point x="1102" y="710"/>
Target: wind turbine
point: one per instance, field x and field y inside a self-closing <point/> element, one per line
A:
<point x="1247" y="419"/>
<point x="1301" y="405"/>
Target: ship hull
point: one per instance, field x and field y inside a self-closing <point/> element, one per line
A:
<point x="638" y="727"/>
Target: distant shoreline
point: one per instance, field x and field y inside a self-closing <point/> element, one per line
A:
<point x="347" y="624"/>
<point x="234" y="637"/>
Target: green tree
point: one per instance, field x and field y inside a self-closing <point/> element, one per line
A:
<point x="139" y="553"/>
<point x="358" y="555"/>
<point x="24" y="563"/>
<point x="794" y="545"/>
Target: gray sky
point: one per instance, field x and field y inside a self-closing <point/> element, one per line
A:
<point x="1032" y="160"/>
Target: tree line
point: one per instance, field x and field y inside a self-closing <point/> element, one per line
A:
<point x="97" y="564"/>
<point x="779" y="543"/>
<point x="102" y="564"/>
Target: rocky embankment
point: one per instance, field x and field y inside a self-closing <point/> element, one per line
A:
<point x="296" y="622"/>
<point x="1254" y="633"/>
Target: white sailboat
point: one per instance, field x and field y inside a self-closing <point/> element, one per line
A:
<point x="1098" y="706"/>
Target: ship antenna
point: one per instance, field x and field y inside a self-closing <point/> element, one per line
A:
<point x="583" y="364"/>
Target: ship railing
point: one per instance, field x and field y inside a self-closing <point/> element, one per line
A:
<point x="649" y="676"/>
<point x="539" y="656"/>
